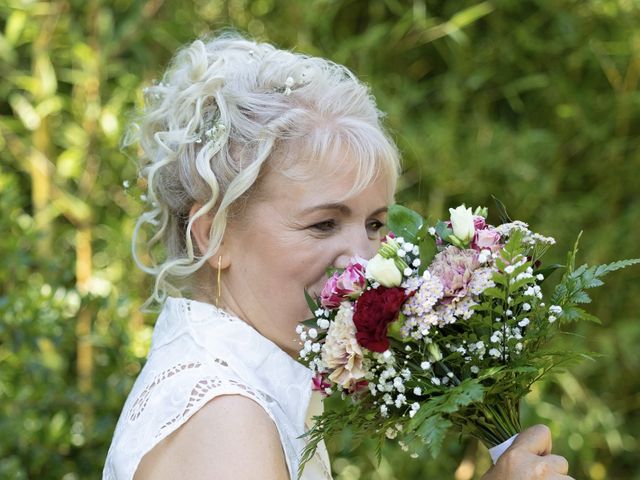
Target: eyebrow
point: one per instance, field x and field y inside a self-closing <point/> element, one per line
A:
<point x="341" y="207"/>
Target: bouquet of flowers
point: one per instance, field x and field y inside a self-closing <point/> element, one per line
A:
<point x="446" y="326"/>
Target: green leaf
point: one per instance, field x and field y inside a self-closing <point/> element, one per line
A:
<point x="443" y="231"/>
<point x="313" y="306"/>
<point x="405" y="223"/>
<point x="311" y="323"/>
<point x="432" y="432"/>
<point x="428" y="250"/>
<point x="548" y="270"/>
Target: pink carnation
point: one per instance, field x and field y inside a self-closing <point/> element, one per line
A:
<point x="454" y="268"/>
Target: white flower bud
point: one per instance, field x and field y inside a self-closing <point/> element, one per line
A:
<point x="462" y="223"/>
<point x="384" y="271"/>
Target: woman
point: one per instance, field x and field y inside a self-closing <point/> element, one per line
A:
<point x="263" y="168"/>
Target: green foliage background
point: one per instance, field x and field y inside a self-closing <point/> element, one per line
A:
<point x="536" y="101"/>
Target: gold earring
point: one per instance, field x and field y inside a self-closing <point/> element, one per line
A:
<point x="219" y="286"/>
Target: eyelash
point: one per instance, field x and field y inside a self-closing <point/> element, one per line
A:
<point x="328" y="225"/>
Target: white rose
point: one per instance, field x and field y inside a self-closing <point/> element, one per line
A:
<point x="384" y="271"/>
<point x="462" y="223"/>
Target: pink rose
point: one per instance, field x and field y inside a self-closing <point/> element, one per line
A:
<point x="347" y="285"/>
<point x="479" y="222"/>
<point x="487" y="238"/>
<point x="352" y="281"/>
<point x="330" y="296"/>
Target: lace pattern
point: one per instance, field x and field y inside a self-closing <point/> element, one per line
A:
<point x="199" y="353"/>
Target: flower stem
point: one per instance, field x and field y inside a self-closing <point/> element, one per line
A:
<point x="493" y="424"/>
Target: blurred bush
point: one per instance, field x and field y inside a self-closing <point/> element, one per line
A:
<point x="535" y="101"/>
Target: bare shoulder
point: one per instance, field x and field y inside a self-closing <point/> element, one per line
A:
<point x="228" y="438"/>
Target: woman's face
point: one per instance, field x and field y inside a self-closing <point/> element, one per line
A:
<point x="288" y="239"/>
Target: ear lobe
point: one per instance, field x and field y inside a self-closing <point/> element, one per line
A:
<point x="200" y="230"/>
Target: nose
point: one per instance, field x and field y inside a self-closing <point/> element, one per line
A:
<point x="357" y="243"/>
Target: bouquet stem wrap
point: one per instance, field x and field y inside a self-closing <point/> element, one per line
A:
<point x="497" y="451"/>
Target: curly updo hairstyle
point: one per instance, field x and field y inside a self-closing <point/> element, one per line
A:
<point x="227" y="110"/>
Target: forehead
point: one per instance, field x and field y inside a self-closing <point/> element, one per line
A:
<point x="300" y="193"/>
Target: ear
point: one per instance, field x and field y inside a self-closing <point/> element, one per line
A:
<point x="200" y="235"/>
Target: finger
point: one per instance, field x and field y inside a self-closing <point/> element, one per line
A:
<point x="536" y="439"/>
<point x="557" y="464"/>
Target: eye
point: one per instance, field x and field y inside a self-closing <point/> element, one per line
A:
<point x="375" y="226"/>
<point x="326" y="226"/>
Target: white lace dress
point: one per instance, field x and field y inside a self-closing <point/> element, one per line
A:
<point x="197" y="353"/>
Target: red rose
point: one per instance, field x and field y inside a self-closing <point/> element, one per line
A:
<point x="374" y="311"/>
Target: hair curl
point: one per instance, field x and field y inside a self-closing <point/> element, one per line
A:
<point x="225" y="108"/>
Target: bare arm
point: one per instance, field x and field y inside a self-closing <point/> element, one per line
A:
<point x="530" y="458"/>
<point x="230" y="437"/>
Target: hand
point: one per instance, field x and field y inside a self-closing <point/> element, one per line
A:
<point x="530" y="458"/>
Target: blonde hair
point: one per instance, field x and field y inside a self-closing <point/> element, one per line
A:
<point x="226" y="109"/>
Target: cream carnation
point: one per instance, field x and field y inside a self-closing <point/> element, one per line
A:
<point x="341" y="351"/>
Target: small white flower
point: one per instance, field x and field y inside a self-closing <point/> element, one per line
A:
<point x="315" y="348"/>
<point x="407" y="247"/>
<point x="540" y="277"/>
<point x="555" y="309"/>
<point x="386" y="354"/>
<point x="435" y="380"/>
<point x="303" y="335"/>
<point x="323" y="323"/>
<point x="416" y="262"/>
<point x="126" y="184"/>
<point x="299" y="329"/>
<point x="400" y="400"/>
<point x="524" y="322"/>
<point x="526" y="307"/>
<point x="432" y="231"/>
<point x="415" y="250"/>
<point x="508" y="313"/>
<point x="425" y="365"/>
<point x="313" y="333"/>
<point x="417" y="391"/>
<point x="509" y="269"/>
<point x="474" y="369"/>
<point x="552" y="319"/>
<point x="384" y="410"/>
<point x="494" y="352"/>
<point x="407" y="272"/>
